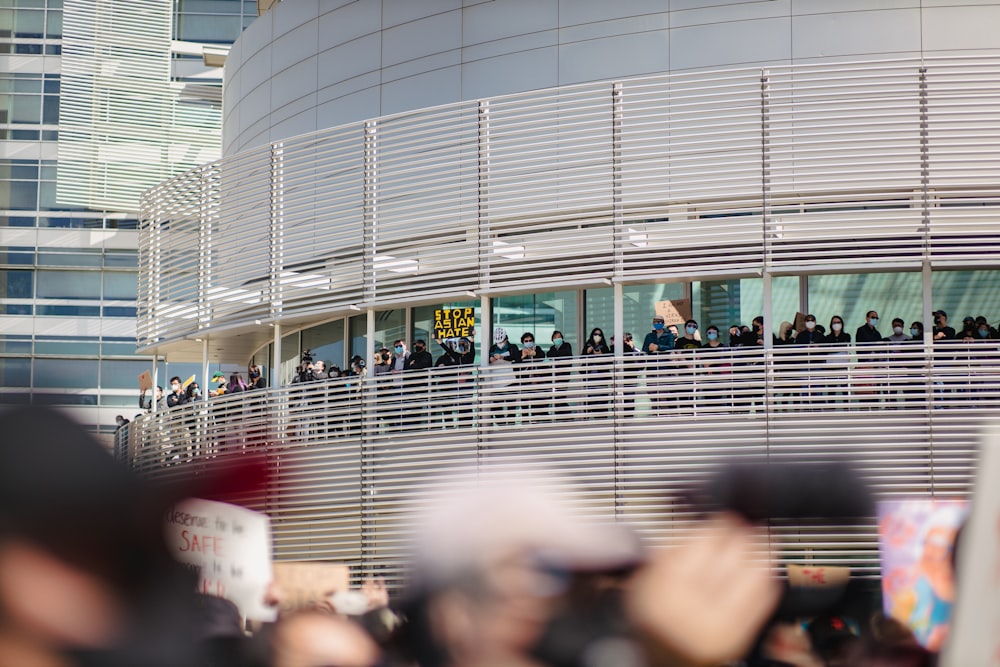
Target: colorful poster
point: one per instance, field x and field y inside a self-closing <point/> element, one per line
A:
<point x="454" y="323"/>
<point x="975" y="632"/>
<point x="916" y="540"/>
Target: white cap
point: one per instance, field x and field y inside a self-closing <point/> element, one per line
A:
<point x="499" y="334"/>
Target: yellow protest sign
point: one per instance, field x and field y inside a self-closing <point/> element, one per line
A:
<point x="454" y="322"/>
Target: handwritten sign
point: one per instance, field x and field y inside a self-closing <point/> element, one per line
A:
<point x="817" y="576"/>
<point x="454" y="322"/>
<point x="674" y="311"/>
<point x="916" y="538"/>
<point x="975" y="632"/>
<point x="231" y="548"/>
<point x="304" y="584"/>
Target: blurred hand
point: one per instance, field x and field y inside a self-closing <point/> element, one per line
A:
<point x="704" y="602"/>
<point x="376" y="592"/>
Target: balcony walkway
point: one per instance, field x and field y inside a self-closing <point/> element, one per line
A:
<point x="351" y="461"/>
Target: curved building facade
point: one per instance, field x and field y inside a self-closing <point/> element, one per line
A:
<point x="790" y="184"/>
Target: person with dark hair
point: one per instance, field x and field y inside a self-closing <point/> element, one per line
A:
<point x="868" y="332"/>
<point x="177" y="396"/>
<point x="420" y="359"/>
<point x="559" y="350"/>
<point x="837" y="335"/>
<point x="530" y="377"/>
<point x="86" y="575"/>
<point x="147" y="403"/>
<point x="941" y="329"/>
<point x="255" y="377"/>
<point x="598" y="377"/>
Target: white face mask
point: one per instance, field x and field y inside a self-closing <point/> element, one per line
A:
<point x="810" y="325"/>
<point x="897" y="330"/>
<point x="597" y="338"/>
<point x="836" y="326"/>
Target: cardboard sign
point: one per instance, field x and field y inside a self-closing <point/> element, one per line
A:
<point x="454" y="322"/>
<point x="800" y="322"/>
<point x="231" y="548"/>
<point x="676" y="311"/>
<point x="916" y="538"/>
<point x="187" y="382"/>
<point x="145" y="380"/>
<point x="304" y="584"/>
<point x="975" y="632"/>
<point x="817" y="576"/>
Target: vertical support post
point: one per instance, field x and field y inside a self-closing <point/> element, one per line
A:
<point x="156" y="382"/>
<point x="370" y="211"/>
<point x="619" y="318"/>
<point x="370" y="339"/>
<point x="276" y="379"/>
<point x="482" y="202"/>
<point x="276" y="236"/>
<point x="204" y="365"/>
<point x="765" y="190"/>
<point x="487" y="337"/>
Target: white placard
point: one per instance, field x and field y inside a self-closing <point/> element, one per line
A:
<point x="975" y="633"/>
<point x="230" y="546"/>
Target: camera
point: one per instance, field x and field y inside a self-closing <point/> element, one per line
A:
<point x="307" y="357"/>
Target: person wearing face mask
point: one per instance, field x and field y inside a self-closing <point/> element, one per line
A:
<point x="502" y="353"/>
<point x="558" y="351"/>
<point x="983" y="329"/>
<point x="941" y="329"/>
<point x="255" y="377"/>
<point x="596" y="346"/>
<point x="900" y="363"/>
<point x="689" y="341"/>
<point x="899" y="335"/>
<point x="659" y="340"/>
<point x="837" y="335"/>
<point x="868" y="332"/>
<point x="530" y="377"/>
<point x="716" y="363"/>
<point x="420" y="359"/>
<point x="810" y="335"/>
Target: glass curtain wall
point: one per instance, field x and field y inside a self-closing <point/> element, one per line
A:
<point x="540" y="314"/>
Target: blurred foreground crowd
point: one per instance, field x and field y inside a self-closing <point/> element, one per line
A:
<point x="502" y="576"/>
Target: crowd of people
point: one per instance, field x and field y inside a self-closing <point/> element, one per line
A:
<point x="500" y="576"/>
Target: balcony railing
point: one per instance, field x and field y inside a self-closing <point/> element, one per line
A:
<point x="783" y="170"/>
<point x="350" y="459"/>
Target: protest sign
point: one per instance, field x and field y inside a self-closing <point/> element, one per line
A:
<point x="187" y="382"/>
<point x="975" y="632"/>
<point x="674" y="311"/>
<point x="454" y="322"/>
<point x="916" y="538"/>
<point x="800" y="322"/>
<point x="817" y="576"/>
<point x="231" y="548"/>
<point x="145" y="380"/>
<point x="307" y="583"/>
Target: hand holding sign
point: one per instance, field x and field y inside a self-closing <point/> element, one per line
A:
<point x="231" y="548"/>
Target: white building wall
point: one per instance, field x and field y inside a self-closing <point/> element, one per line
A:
<point x="313" y="64"/>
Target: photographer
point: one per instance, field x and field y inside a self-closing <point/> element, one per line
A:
<point x="308" y="370"/>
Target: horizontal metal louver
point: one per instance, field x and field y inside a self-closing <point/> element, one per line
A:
<point x="123" y="126"/>
<point x="817" y="168"/>
<point x="351" y="463"/>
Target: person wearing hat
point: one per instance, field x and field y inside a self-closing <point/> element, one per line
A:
<point x="503" y="353"/>
<point x="220" y="380"/>
<point x="941" y="329"/>
<point x="660" y="340"/>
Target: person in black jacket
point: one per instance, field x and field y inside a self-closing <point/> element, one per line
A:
<point x="596" y="346"/>
<point x="420" y="358"/>
<point x="530" y="376"/>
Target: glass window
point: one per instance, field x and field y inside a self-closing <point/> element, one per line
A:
<point x="289" y="357"/>
<point x="64" y="399"/>
<point x="15" y="309"/>
<point x="326" y="342"/>
<point x="23" y="195"/>
<point x="640" y="304"/>
<point x="963" y="293"/>
<point x="541" y="314"/>
<point x="15" y="345"/>
<point x="53" y="24"/>
<point x="852" y="295"/>
<point x="66" y="257"/>
<point x="15" y="372"/>
<point x="120" y="285"/>
<point x="69" y="285"/>
<point x="16" y="221"/>
<point x="123" y="374"/>
<point x="15" y="398"/>
<point x="17" y="284"/>
<point x="29" y="23"/>
<point x="120" y="259"/>
<point x="210" y="29"/>
<point x="119" y="349"/>
<point x="50" y="110"/>
<point x="390" y="326"/>
<point x="119" y="311"/>
<point x="26" y="109"/>
<point x="209" y="6"/>
<point x="66" y="346"/>
<point x="68" y="311"/>
<point x="65" y="373"/>
<point x="359" y="335"/>
<point x="24" y="256"/>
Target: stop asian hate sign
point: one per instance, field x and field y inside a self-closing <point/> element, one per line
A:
<point x="454" y="322"/>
